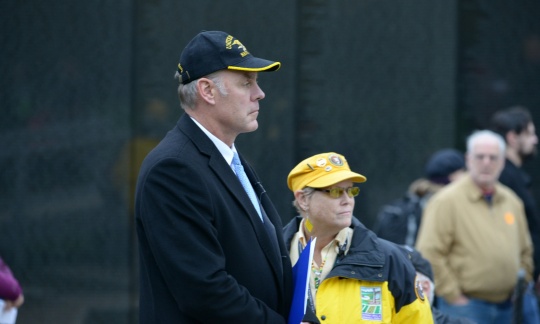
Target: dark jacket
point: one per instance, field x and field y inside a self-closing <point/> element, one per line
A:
<point x="205" y="255"/>
<point x="520" y="182"/>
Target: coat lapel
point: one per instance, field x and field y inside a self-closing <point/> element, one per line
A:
<point x="225" y="174"/>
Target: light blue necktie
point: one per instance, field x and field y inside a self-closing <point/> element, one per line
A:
<point x="241" y="174"/>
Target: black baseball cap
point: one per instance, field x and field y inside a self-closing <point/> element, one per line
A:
<point x="211" y="51"/>
<point x="443" y="163"/>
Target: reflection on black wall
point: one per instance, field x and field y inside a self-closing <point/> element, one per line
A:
<point x="499" y="65"/>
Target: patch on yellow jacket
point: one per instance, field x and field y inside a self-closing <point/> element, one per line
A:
<point x="419" y="290"/>
<point x="371" y="303"/>
<point x="509" y="218"/>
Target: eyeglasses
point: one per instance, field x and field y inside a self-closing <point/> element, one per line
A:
<point x="337" y="192"/>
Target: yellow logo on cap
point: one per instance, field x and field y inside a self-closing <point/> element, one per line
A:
<point x="230" y="41"/>
<point x="240" y="45"/>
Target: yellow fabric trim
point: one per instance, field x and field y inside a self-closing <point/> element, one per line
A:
<point x="272" y="67"/>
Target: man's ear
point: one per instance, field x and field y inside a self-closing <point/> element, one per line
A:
<point x="206" y="89"/>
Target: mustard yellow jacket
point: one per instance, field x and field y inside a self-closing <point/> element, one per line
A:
<point x="371" y="283"/>
<point x="476" y="248"/>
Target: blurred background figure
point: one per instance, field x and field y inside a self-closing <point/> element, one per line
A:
<point x="424" y="276"/>
<point x="10" y="290"/>
<point x="516" y="126"/>
<point x="399" y="220"/>
<point x="474" y="234"/>
<point x="155" y="121"/>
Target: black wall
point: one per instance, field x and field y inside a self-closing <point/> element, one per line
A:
<point x="87" y="88"/>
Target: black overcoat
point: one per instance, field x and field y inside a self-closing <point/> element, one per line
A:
<point x="205" y="255"/>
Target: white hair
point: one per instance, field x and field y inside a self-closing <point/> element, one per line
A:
<point x="483" y="134"/>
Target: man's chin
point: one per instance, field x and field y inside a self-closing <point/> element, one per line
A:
<point x="251" y="127"/>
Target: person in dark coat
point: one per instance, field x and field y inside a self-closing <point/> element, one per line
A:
<point x="210" y="240"/>
<point x="516" y="126"/>
<point x="399" y="220"/>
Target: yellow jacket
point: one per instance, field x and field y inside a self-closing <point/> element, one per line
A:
<point x="373" y="282"/>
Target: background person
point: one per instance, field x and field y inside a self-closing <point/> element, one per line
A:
<point x="516" y="126"/>
<point x="10" y="289"/>
<point x="474" y="234"/>
<point x="356" y="277"/>
<point x="399" y="220"/>
<point x="211" y="251"/>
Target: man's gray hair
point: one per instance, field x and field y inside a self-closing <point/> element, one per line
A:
<point x="187" y="93"/>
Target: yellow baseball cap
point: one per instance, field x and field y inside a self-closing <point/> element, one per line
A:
<point x="321" y="170"/>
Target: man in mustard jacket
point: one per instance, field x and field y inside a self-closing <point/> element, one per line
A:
<point x="474" y="233"/>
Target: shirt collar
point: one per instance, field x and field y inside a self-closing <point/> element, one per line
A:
<point x="341" y="238"/>
<point x="226" y="151"/>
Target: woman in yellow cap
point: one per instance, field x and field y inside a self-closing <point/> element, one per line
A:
<point x="356" y="277"/>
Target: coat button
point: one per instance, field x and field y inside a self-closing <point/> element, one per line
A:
<point x="379" y="275"/>
<point x="323" y="317"/>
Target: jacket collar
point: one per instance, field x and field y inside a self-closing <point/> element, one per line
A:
<point x="365" y="246"/>
<point x="226" y="175"/>
<point x="474" y="193"/>
<point x="222" y="170"/>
